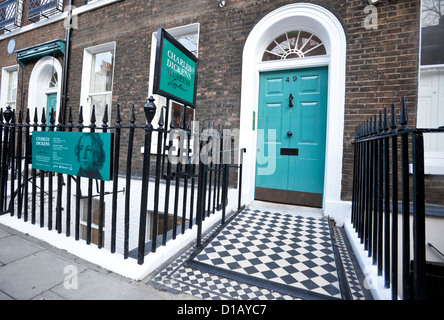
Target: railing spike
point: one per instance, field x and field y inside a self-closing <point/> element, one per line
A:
<point x="60" y="119"/>
<point x="370" y="128"/>
<point x="118" y="116"/>
<point x="385" y="120"/>
<point x="380" y="122"/>
<point x="105" y="117"/>
<point x="403" y="121"/>
<point x="43" y="119"/>
<point x="20" y="117"/>
<point x="375" y="125"/>
<point x="132" y="115"/>
<point x="81" y="116"/>
<point x="51" y="117"/>
<point x="70" y="115"/>
<point x="13" y="116"/>
<point x="181" y="120"/>
<point x="189" y="123"/>
<point x="28" y="116"/>
<point x="161" y="122"/>
<point x="393" y="123"/>
<point x="172" y="124"/>
<point x="36" y="116"/>
<point x="93" y="117"/>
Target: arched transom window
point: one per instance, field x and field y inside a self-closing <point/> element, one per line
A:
<point x="294" y="44"/>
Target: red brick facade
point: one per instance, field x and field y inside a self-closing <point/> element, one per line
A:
<point x="381" y="64"/>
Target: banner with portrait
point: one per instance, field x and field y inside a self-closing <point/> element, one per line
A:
<point x="84" y="154"/>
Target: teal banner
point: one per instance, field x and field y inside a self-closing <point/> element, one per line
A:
<point x="84" y="154"/>
<point x="175" y="75"/>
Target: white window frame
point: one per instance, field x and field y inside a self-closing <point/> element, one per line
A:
<point x="85" y="94"/>
<point x="6" y="71"/>
<point x="159" y="100"/>
<point x="433" y="160"/>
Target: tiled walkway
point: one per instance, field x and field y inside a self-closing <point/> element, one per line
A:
<point x="263" y="254"/>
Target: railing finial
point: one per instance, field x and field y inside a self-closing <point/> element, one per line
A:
<point x="181" y="120"/>
<point x="160" y="122"/>
<point x="28" y="117"/>
<point x="20" y="117"/>
<point x="172" y="124"/>
<point x="36" y="116"/>
<point x="80" y="117"/>
<point x="93" y="117"/>
<point x="393" y="124"/>
<point x="105" y="117"/>
<point x="132" y="115"/>
<point x="385" y="122"/>
<point x="7" y="114"/>
<point x="403" y="121"/>
<point x="51" y="117"/>
<point x="118" y="117"/>
<point x="43" y="119"/>
<point x="150" y="110"/>
<point x="374" y="126"/>
<point x="70" y="116"/>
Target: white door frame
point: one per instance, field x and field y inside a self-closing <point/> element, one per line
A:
<point x="38" y="85"/>
<point x="321" y="22"/>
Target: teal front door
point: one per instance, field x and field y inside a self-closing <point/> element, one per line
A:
<point x="51" y="104"/>
<point x="291" y="132"/>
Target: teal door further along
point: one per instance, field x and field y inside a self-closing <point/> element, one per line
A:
<point x="291" y="136"/>
<point x="51" y="104"/>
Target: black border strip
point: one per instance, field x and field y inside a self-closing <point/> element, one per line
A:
<point x="342" y="277"/>
<point x="262" y="283"/>
<point x="359" y="274"/>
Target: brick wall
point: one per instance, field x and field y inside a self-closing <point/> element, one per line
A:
<point x="381" y="66"/>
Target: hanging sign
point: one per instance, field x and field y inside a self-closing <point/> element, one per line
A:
<point x="175" y="72"/>
<point x="84" y="154"/>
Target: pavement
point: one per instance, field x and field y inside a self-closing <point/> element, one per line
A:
<point x="31" y="269"/>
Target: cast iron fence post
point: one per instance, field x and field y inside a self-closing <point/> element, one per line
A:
<point x="128" y="175"/>
<point x="115" y="174"/>
<point x="419" y="245"/>
<point x="150" y="111"/>
<point x="157" y="183"/>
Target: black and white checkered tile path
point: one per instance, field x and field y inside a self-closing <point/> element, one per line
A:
<point x="260" y="255"/>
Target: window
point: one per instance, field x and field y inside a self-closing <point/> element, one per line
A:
<point x="294" y="44"/>
<point x="101" y="82"/>
<point x="39" y="9"/>
<point x="97" y="80"/>
<point x="430" y="113"/>
<point x="11" y="14"/>
<point x="9" y="87"/>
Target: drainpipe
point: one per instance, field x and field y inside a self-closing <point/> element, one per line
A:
<point x="64" y="89"/>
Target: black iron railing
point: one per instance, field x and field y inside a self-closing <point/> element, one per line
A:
<point x="186" y="190"/>
<point x="383" y="151"/>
